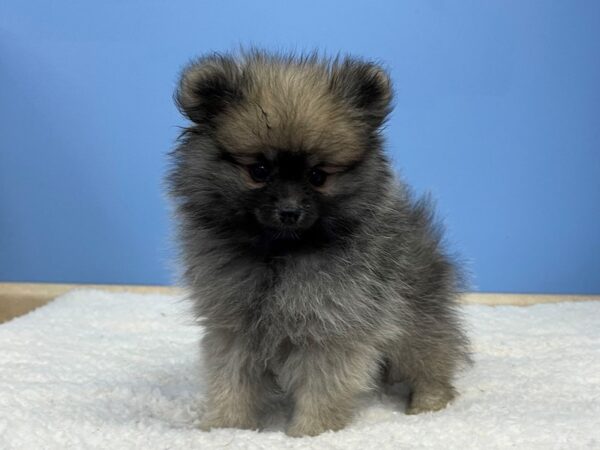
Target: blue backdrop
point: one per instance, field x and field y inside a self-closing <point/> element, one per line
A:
<point x="498" y="114"/>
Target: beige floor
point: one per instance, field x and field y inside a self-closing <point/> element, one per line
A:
<point x="19" y="298"/>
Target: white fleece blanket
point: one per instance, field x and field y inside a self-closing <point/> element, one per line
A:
<point x="110" y="371"/>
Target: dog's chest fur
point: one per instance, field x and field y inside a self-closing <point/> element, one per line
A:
<point x="291" y="299"/>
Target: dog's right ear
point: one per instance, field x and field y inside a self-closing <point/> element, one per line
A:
<point x="207" y="86"/>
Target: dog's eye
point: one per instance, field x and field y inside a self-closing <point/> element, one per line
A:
<point x="259" y="172"/>
<point x="317" y="177"/>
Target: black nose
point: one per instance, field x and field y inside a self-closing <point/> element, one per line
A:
<point x="289" y="216"/>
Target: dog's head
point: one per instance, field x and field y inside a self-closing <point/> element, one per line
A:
<point x="280" y="143"/>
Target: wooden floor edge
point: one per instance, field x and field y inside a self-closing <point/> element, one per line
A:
<point x="493" y="299"/>
<point x="19" y="298"/>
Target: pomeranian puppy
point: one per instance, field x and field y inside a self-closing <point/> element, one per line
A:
<point x="314" y="272"/>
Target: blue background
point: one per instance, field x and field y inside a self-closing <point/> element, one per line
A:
<point x="498" y="115"/>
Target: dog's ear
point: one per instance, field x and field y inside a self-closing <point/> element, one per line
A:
<point x="366" y="87"/>
<point x="207" y="86"/>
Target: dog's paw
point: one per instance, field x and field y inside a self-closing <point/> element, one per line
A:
<point x="423" y="401"/>
<point x="301" y="431"/>
<point x="300" y="428"/>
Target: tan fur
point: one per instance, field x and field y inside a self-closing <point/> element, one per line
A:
<point x="292" y="107"/>
<point x="233" y="399"/>
<point x="325" y="387"/>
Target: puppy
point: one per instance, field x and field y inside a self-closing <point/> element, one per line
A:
<point x="314" y="272"/>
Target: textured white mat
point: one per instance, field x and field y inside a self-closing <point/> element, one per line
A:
<point x="99" y="370"/>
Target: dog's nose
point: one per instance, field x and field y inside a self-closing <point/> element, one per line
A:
<point x="289" y="216"/>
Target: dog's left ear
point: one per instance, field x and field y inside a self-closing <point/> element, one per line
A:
<point x="366" y="86"/>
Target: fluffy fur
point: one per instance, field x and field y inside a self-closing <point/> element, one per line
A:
<point x="316" y="275"/>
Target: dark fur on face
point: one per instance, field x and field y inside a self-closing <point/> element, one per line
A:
<point x="311" y="267"/>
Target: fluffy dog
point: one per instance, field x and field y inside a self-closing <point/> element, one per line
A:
<point x="315" y="273"/>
